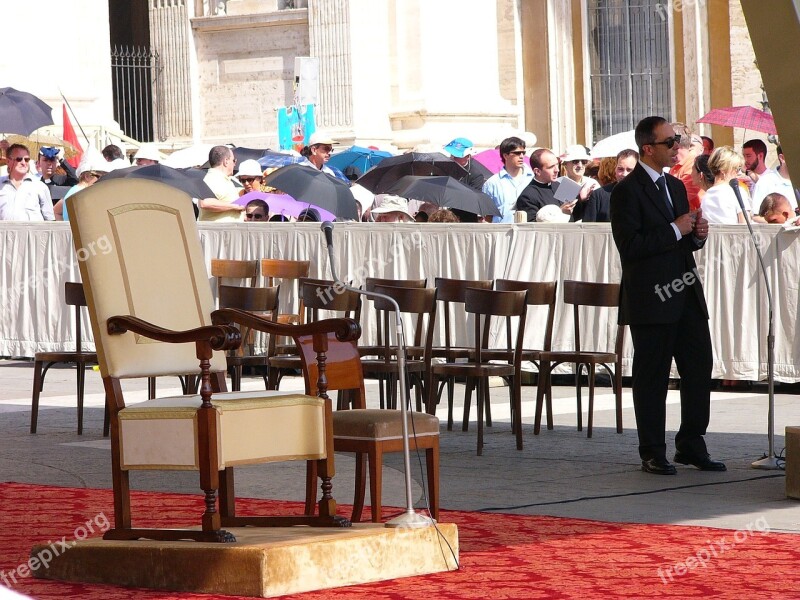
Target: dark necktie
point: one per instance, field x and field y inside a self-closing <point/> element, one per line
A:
<point x="661" y="183"/>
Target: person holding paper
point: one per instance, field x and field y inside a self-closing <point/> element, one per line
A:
<point x="544" y="189"/>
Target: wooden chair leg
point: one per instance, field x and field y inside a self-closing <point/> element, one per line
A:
<point x="311" y="487"/>
<point x="375" y="480"/>
<point x="618" y="394"/>
<point x="578" y="371"/>
<point x="516" y="412"/>
<point x="81" y="376"/>
<point x="151" y="388"/>
<point x="38" y="383"/>
<point x="488" y="406"/>
<point x="236" y="379"/>
<point x="106" y="419"/>
<point x="470" y="384"/>
<point x="481" y="383"/>
<point x="192" y="384"/>
<point x="273" y="381"/>
<point x="591" y="369"/>
<point x="432" y="466"/>
<point x="541" y="388"/>
<point x="446" y="382"/>
<point x="360" y="487"/>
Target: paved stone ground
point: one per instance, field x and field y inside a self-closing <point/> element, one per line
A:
<point x="559" y="472"/>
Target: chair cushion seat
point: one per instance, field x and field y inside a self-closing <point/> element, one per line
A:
<point x="378" y="424"/>
<point x="253" y="427"/>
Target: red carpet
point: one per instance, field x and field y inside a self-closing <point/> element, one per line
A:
<point x="502" y="556"/>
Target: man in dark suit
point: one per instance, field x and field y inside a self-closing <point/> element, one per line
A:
<point x="662" y="300"/>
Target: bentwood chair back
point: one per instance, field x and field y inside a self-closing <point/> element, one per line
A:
<point x="317" y="295"/>
<point x="452" y="294"/>
<point x="484" y="305"/>
<point x="540" y="293"/>
<point x="288" y="272"/>
<point x="241" y="270"/>
<point x="419" y="305"/>
<point x="73" y="296"/>
<point x="258" y="300"/>
<point x="584" y="294"/>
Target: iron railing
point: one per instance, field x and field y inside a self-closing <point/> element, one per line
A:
<point x="135" y="87"/>
<point x="629" y="63"/>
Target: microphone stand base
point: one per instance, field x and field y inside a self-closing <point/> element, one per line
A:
<point x="769" y="463"/>
<point x="411" y="520"/>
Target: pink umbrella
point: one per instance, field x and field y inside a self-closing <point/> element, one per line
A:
<point x="492" y="161"/>
<point x="744" y="117"/>
<point x="284" y="204"/>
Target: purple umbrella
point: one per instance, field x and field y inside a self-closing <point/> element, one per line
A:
<point x="284" y="204"/>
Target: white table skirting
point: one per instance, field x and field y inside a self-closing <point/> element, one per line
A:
<point x="39" y="258"/>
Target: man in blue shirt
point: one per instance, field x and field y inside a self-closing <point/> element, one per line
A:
<point x="506" y="186"/>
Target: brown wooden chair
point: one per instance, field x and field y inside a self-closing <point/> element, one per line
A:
<point x="158" y="322"/>
<point x="485" y="304"/>
<point x="578" y="294"/>
<point x="73" y="296"/>
<point x="369" y="433"/>
<point x="288" y="272"/>
<point x="420" y="305"/>
<point x="242" y="270"/>
<point x="540" y="293"/>
<point x="317" y="295"/>
<point x="451" y="293"/>
<point x="258" y="300"/>
<point x="377" y="348"/>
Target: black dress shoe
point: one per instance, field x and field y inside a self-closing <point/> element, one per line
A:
<point x="658" y="466"/>
<point x="702" y="462"/>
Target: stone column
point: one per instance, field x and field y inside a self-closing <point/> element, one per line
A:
<point x="329" y="41"/>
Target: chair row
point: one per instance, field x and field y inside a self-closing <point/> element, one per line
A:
<point x="484" y="300"/>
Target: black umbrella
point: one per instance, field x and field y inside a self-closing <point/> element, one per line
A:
<point x="186" y="180"/>
<point x="476" y="176"/>
<point x="242" y="154"/>
<point x="21" y="112"/>
<point x="445" y="192"/>
<point x="307" y="184"/>
<point x="381" y="177"/>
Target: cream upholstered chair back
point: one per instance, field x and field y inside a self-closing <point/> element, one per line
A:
<point x="139" y="254"/>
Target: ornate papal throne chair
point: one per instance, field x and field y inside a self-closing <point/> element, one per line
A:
<point x="150" y="305"/>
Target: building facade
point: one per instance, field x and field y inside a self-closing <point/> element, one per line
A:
<point x="399" y="73"/>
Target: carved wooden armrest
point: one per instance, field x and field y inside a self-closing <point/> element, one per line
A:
<point x="345" y="329"/>
<point x="219" y="337"/>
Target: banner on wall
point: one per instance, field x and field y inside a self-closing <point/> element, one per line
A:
<point x="295" y="126"/>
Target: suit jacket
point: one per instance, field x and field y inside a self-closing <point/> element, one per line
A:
<point x="658" y="270"/>
<point x="595" y="209"/>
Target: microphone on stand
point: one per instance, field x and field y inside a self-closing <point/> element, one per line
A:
<point x="770" y="461"/>
<point x="410" y="518"/>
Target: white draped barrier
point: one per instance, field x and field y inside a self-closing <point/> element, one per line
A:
<point x="38" y="259"/>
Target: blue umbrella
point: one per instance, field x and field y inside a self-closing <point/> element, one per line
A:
<point x="357" y="156"/>
<point x="278" y="159"/>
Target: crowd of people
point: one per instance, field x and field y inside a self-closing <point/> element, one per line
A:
<point x="537" y="186"/>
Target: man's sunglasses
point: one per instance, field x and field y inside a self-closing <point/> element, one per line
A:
<point x="247" y="179"/>
<point x="21" y="159"/>
<point x="669" y="142"/>
<point x="256" y="216"/>
<point x="517" y="152"/>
